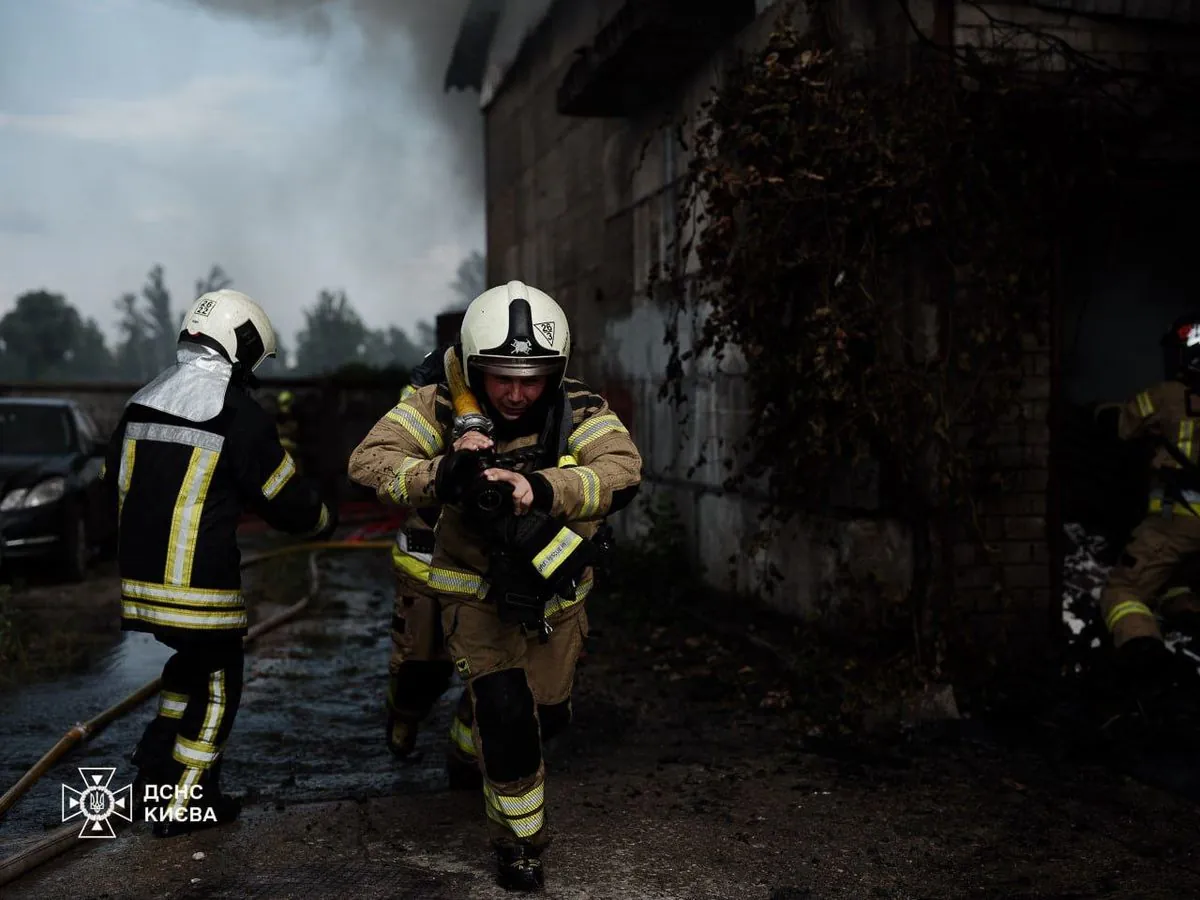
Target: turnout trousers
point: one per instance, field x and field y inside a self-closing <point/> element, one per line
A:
<point x="518" y="693"/>
<point x="183" y="745"/>
<point x="1155" y="550"/>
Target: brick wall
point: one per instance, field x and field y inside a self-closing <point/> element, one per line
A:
<point x="1004" y="592"/>
<point x="582" y="204"/>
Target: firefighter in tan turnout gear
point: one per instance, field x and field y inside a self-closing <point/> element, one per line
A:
<point x="525" y="479"/>
<point x="1168" y="414"/>
<point x="191" y="452"/>
<point x="419" y="670"/>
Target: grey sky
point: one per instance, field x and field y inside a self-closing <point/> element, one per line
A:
<point x="297" y="151"/>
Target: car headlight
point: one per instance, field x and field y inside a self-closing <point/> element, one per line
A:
<point x="39" y="495"/>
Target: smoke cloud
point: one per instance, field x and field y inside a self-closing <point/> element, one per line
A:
<point x="406" y="45"/>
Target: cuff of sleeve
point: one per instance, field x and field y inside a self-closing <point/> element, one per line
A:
<point x="543" y="492"/>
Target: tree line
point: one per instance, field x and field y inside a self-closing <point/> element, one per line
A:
<point x="45" y="338"/>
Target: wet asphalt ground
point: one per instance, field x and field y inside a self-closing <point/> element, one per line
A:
<point x="311" y="722"/>
<point x="685" y="776"/>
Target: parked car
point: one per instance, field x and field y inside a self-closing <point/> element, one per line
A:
<point x="51" y="505"/>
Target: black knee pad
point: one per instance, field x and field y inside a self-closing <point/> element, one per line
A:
<point x="417" y="685"/>
<point x="508" y="730"/>
<point x="554" y="718"/>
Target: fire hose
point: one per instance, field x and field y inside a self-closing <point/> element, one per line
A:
<point x="59" y="840"/>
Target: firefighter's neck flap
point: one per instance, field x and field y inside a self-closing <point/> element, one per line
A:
<point x="193" y="389"/>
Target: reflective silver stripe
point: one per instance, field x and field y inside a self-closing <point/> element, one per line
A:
<point x="591" y="491"/>
<point x="185" y="521"/>
<point x="175" y="434"/>
<point x="428" y="435"/>
<point x="174" y="617"/>
<point x="592" y="430"/>
<point x="285" y="470"/>
<point x="456" y="581"/>
<point x="203" y="598"/>
<point x="1192" y="497"/>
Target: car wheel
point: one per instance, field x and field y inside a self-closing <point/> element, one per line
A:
<point x="75" y="549"/>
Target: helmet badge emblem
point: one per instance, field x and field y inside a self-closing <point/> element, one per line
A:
<point x="204" y="307"/>
<point x="520" y="346"/>
<point x="547" y="330"/>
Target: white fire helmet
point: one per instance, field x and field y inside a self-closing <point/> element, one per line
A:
<point x="516" y="330"/>
<point x="233" y="324"/>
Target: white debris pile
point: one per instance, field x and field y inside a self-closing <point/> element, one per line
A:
<point x="1083" y="580"/>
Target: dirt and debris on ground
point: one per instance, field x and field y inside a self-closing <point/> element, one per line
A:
<point x="692" y="771"/>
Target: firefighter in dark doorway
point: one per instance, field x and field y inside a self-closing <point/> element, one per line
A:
<point x="523" y="498"/>
<point x="191" y="452"/>
<point x="1167" y="414"/>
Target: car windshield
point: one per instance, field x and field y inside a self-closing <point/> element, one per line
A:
<point x="34" y="430"/>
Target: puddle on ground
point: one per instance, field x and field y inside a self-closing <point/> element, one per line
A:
<point x="310" y="726"/>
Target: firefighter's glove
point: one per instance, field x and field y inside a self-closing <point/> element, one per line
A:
<point x="457" y="471"/>
<point x="557" y="553"/>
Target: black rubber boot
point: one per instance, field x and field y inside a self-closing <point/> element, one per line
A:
<point x="519" y="868"/>
<point x="401" y="736"/>
<point x="225" y="809"/>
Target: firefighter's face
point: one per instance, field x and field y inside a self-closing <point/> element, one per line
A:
<point x="512" y="395"/>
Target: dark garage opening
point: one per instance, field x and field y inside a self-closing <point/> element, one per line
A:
<point x="1128" y="272"/>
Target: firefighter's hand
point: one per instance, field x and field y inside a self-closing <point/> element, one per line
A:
<point x="473" y="440"/>
<point x="522" y="491"/>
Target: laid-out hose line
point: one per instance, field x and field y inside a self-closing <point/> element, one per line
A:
<point x="60" y="839"/>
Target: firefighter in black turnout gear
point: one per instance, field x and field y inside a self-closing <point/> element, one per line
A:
<point x="192" y="451"/>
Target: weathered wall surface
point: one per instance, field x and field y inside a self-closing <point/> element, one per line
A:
<point x="584" y="208"/>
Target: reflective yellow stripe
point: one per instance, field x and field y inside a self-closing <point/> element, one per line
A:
<point x="185" y="520"/>
<point x="125" y="476"/>
<point x="322" y="523"/>
<point x="592" y="430"/>
<point x="397" y="489"/>
<point x="1127" y="608"/>
<point x="282" y="474"/>
<point x="183" y="789"/>
<point x="556" y="552"/>
<point x="103" y="470"/>
<point x="407" y="391"/>
<point x="171" y="705"/>
<point x="1178" y="509"/>
<point x="566" y="461"/>
<point x="558" y="605"/>
<point x="456" y="581"/>
<point x="1177" y="592"/>
<point x="524" y="815"/>
<point x="178" y="617"/>
<point x="214" y="711"/>
<point x="181" y="595"/>
<point x="194" y="754"/>
<point x="1186" y="429"/>
<point x="410" y="565"/>
<point x="1145" y="404"/>
<point x="425" y="432"/>
<point x="462" y="736"/>
<point x="591" y="491"/>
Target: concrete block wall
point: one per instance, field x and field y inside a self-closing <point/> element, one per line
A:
<point x="1129" y="44"/>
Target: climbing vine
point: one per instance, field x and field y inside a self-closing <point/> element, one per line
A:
<point x="876" y="251"/>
